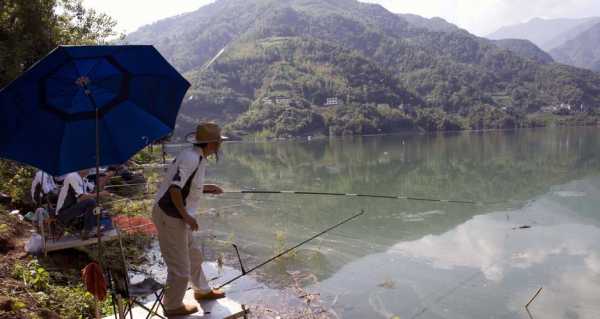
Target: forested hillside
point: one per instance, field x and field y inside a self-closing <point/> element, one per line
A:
<point x="305" y="67"/>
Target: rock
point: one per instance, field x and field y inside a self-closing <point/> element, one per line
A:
<point x="5" y="199"/>
<point x="17" y="213"/>
<point x="6" y="304"/>
<point x="47" y="314"/>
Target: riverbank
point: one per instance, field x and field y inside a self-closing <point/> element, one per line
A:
<point x="37" y="287"/>
<point x="50" y="287"/>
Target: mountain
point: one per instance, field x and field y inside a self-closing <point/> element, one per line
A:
<point x="568" y="41"/>
<point x="306" y="67"/>
<point x="582" y="51"/>
<point x="435" y="24"/>
<point x="526" y="49"/>
<point x="564" y="36"/>
<point x="545" y="33"/>
<point x="523" y="48"/>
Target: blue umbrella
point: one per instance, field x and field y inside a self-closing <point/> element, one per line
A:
<point x="86" y="106"/>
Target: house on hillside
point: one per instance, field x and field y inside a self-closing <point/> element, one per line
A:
<point x="562" y="109"/>
<point x="566" y="107"/>
<point x="332" y="101"/>
<point x="267" y="100"/>
<point x="548" y="109"/>
<point x="279" y="100"/>
<point x="282" y="100"/>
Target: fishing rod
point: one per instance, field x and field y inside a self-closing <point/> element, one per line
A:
<point x="411" y="198"/>
<point x="245" y="272"/>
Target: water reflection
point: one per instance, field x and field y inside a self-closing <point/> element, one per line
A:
<point x="487" y="267"/>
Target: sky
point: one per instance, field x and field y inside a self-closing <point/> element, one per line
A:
<point x="480" y="17"/>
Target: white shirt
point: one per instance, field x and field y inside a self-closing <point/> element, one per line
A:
<point x="46" y="180"/>
<point x="180" y="171"/>
<point x="76" y="183"/>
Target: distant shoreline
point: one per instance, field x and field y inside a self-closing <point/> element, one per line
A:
<point x="405" y="133"/>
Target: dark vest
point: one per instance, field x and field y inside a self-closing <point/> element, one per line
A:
<point x="70" y="199"/>
<point x="166" y="203"/>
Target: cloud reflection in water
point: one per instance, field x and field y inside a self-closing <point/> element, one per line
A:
<point x="487" y="267"/>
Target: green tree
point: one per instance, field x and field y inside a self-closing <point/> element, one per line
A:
<point x="28" y="31"/>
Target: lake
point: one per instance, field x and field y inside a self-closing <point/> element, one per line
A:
<point x="538" y="224"/>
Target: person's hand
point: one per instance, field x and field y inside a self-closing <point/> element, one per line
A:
<point x="86" y="197"/>
<point x="217" y="190"/>
<point x="191" y="221"/>
<point x="106" y="194"/>
<point x="213" y="189"/>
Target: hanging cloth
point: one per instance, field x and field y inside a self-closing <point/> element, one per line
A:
<point x="94" y="280"/>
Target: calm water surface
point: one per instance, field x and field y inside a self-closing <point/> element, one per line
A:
<point x="407" y="259"/>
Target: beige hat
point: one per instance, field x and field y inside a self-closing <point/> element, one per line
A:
<point x="206" y="133"/>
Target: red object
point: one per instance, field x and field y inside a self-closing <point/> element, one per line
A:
<point x="135" y="225"/>
<point x="94" y="280"/>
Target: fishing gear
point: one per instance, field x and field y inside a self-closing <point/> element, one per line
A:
<point x="245" y="272"/>
<point x="359" y="195"/>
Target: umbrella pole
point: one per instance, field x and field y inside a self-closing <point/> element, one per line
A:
<point x="97" y="187"/>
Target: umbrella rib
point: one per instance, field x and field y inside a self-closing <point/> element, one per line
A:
<point x="94" y="67"/>
<point x="97" y="62"/>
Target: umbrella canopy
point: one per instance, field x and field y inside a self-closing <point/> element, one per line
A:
<point x="48" y="115"/>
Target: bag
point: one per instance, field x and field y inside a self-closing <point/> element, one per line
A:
<point x="35" y="245"/>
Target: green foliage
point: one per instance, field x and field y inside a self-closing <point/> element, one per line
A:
<point x="4" y="230"/>
<point x="68" y="301"/>
<point x="16" y="180"/>
<point x="33" y="275"/>
<point x="526" y="49"/>
<point x="30" y="29"/>
<point x="148" y="155"/>
<point x="77" y="24"/>
<point x="367" y="119"/>
<point x="132" y="207"/>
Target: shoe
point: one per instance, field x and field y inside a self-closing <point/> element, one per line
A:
<point x="182" y="311"/>
<point x="211" y="295"/>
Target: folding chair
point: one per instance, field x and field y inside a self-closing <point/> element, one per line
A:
<point x="134" y="294"/>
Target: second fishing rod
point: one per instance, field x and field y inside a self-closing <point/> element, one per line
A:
<point x="246" y="272"/>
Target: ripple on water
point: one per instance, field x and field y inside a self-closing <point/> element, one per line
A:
<point x="569" y="194"/>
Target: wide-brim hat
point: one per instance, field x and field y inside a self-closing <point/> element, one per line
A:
<point x="206" y="133"/>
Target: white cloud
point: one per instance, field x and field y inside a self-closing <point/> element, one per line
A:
<point x="478" y="16"/>
<point x="132" y="14"/>
<point x="485" y="16"/>
<point x="488" y="243"/>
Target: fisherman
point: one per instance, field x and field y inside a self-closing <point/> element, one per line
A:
<point x="44" y="189"/>
<point x="174" y="215"/>
<point x="76" y="201"/>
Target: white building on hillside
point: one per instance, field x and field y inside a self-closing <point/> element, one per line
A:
<point x="332" y="101"/>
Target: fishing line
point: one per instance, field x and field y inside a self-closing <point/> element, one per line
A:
<point x="395" y="197"/>
<point x="244" y="273"/>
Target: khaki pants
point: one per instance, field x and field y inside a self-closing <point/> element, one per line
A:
<point x="184" y="261"/>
